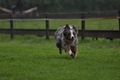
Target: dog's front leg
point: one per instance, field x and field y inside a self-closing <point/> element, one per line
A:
<point x="68" y="50"/>
<point x="74" y="50"/>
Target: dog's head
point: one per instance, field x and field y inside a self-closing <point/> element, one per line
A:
<point x="70" y="32"/>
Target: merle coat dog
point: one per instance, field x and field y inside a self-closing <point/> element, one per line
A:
<point x="66" y="38"/>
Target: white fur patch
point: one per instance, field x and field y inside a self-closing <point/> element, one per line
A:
<point x="71" y="31"/>
<point x="70" y="52"/>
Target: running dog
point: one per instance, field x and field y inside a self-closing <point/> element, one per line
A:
<point x="66" y="38"/>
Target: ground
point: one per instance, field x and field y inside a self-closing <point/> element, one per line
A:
<point x="34" y="58"/>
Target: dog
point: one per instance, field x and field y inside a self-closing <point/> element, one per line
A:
<point x="66" y="38"/>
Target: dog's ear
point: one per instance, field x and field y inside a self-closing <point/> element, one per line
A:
<point x="67" y="27"/>
<point x="76" y="30"/>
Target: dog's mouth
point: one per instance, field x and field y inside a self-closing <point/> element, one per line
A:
<point x="70" y="39"/>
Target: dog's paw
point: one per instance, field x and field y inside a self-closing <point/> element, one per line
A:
<point x="72" y="55"/>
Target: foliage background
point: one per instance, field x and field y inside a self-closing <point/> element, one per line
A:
<point x="66" y="5"/>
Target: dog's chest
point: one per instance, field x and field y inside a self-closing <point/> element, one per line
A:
<point x="67" y="42"/>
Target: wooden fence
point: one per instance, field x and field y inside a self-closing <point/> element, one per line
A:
<point x="109" y="34"/>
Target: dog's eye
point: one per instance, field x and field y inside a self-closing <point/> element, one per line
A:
<point x="69" y="34"/>
<point x="74" y="33"/>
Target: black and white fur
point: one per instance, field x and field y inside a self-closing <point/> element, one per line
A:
<point x="66" y="38"/>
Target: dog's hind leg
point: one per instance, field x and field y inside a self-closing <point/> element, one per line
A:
<point x="60" y="50"/>
<point x="58" y="44"/>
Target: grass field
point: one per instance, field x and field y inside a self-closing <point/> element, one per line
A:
<point x="34" y="58"/>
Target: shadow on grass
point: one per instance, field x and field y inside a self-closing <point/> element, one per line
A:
<point x="60" y="57"/>
<point x="50" y="57"/>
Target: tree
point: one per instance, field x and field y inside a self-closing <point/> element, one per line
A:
<point x="66" y="5"/>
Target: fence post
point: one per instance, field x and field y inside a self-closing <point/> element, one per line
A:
<point x="47" y="27"/>
<point x="11" y="29"/>
<point x="119" y="18"/>
<point x="82" y="26"/>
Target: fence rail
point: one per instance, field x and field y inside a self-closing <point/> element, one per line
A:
<point x="109" y="34"/>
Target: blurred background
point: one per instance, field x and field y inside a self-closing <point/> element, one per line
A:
<point x="66" y="5"/>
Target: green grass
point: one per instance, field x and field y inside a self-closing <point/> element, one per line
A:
<point x="110" y="24"/>
<point x="34" y="58"/>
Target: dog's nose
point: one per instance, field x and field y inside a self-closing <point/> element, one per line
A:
<point x="72" y="38"/>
